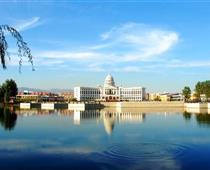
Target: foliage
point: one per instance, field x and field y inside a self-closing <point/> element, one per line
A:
<point x="7" y="118"/>
<point x="203" y="88"/>
<point x="1" y="94"/>
<point x="23" y="49"/>
<point x="157" y="98"/>
<point x="8" y="89"/>
<point x="186" y="92"/>
<point x="72" y="100"/>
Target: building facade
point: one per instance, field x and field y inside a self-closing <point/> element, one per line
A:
<point x="165" y="97"/>
<point x="109" y="92"/>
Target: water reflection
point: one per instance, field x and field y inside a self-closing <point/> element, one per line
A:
<point x="109" y="118"/>
<point x="203" y="119"/>
<point x="74" y="139"/>
<point x="109" y="122"/>
<point x="187" y="115"/>
<point x="8" y="118"/>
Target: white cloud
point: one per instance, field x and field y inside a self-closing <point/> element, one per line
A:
<point x="140" y="42"/>
<point x="69" y="55"/>
<point x="27" y="24"/>
<point x="131" y="69"/>
<point x="188" y="64"/>
<point x="129" y="42"/>
<point x="121" y="45"/>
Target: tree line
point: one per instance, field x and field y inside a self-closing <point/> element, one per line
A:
<point x="202" y="89"/>
<point x="7" y="90"/>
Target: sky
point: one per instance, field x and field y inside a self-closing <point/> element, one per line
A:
<point x="160" y="45"/>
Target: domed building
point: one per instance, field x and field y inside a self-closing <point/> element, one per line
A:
<point x="109" y="92"/>
<point x="109" y="81"/>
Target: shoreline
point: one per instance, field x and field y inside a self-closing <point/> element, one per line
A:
<point x="144" y="106"/>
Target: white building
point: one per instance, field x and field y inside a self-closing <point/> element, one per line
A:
<point x="109" y="92"/>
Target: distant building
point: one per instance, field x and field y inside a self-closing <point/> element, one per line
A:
<point x="109" y="92"/>
<point x="30" y="96"/>
<point x="165" y="97"/>
<point x="27" y="96"/>
<point x="154" y="97"/>
<point x="86" y="93"/>
<point x="68" y="96"/>
<point x="177" y="97"/>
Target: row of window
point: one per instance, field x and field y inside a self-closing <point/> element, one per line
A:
<point x="112" y="92"/>
<point x="89" y="92"/>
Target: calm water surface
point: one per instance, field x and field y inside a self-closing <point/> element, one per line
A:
<point x="63" y="139"/>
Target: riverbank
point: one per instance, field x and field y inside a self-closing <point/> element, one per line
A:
<point x="144" y="104"/>
<point x="100" y="105"/>
<point x="197" y="107"/>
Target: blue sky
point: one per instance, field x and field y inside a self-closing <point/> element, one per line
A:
<point x="161" y="45"/>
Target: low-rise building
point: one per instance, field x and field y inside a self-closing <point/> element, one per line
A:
<point x="30" y="96"/>
<point x="165" y="97"/>
<point x="177" y="97"/>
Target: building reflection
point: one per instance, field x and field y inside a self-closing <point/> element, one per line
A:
<point x="109" y="122"/>
<point x="86" y="115"/>
<point x="40" y="112"/>
<point x="109" y="119"/>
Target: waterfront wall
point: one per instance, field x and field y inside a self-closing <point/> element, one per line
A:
<point x="125" y="106"/>
<point x="144" y="104"/>
<point x="197" y="107"/>
<point x="52" y="106"/>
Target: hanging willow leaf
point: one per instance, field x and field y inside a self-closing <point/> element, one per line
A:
<point x="23" y="49"/>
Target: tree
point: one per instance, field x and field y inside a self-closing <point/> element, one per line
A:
<point x="9" y="89"/>
<point x="207" y="88"/>
<point x="198" y="89"/>
<point x="203" y="88"/>
<point x="23" y="49"/>
<point x="186" y="92"/>
<point x="1" y="94"/>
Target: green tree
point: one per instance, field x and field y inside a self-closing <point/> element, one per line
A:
<point x="203" y="88"/>
<point x="9" y="89"/>
<point x="1" y="94"/>
<point x="198" y="89"/>
<point x="207" y="88"/>
<point x="186" y="92"/>
<point x="23" y="49"/>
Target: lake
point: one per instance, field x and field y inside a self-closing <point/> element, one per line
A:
<point x="103" y="139"/>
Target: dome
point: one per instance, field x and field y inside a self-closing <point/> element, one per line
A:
<point x="109" y="81"/>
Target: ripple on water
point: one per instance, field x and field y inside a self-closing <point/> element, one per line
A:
<point x="145" y="151"/>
